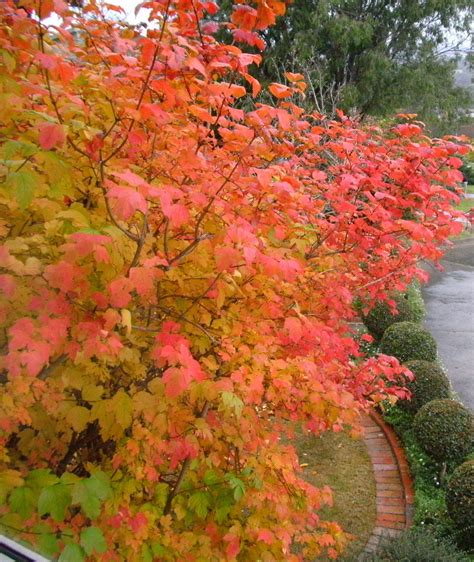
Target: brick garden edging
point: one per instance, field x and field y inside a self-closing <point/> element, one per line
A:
<point x="394" y="487"/>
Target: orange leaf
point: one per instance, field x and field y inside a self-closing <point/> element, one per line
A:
<point x="256" y="87"/>
<point x="280" y="91"/>
<point x="293" y="77"/>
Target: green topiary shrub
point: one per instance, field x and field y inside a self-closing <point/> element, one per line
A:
<point x="444" y="429"/>
<point x="416" y="546"/>
<point x="430" y="383"/>
<point x="407" y="341"/>
<point x="460" y="502"/>
<point x="410" y="308"/>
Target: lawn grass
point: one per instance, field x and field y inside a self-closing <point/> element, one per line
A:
<point x="465" y="204"/>
<point x="343" y="464"/>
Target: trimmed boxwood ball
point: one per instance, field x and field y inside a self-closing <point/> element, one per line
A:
<point x="444" y="429"/>
<point x="430" y="383"/>
<point x="410" y="308"/>
<point x="407" y="341"/>
<point x="460" y="501"/>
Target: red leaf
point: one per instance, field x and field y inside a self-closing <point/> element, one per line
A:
<point x="51" y="135"/>
<point x="136" y="523"/>
<point x="176" y="381"/>
<point x="176" y="213"/>
<point x="210" y="7"/>
<point x="21" y="333"/>
<point x="142" y="280"/>
<point x="294" y="328"/>
<point x="63" y="276"/>
<point x="7" y="285"/>
<point x="226" y="257"/>
<point x="233" y="546"/>
<point x="119" y="290"/>
<point x="127" y="201"/>
<point x="131" y="178"/>
<point x="266" y="536"/>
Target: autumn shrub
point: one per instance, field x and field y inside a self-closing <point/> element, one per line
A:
<point x="408" y="341"/>
<point x="178" y="264"/>
<point x="460" y="502"/>
<point x="430" y="382"/>
<point x="409" y="308"/>
<point x="445" y="429"/>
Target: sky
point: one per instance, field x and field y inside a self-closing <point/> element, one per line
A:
<point x="129" y="7"/>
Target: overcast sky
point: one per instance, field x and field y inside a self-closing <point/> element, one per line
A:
<point x="129" y="7"/>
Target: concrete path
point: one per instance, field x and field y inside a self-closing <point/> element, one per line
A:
<point x="449" y="299"/>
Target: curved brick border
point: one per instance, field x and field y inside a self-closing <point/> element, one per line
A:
<point x="392" y="477"/>
<point x="402" y="463"/>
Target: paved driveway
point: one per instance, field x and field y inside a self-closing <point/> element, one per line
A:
<point x="449" y="299"/>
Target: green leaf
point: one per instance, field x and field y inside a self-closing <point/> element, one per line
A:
<point x="146" y="554"/>
<point x="23" y="501"/>
<point x="90" y="493"/>
<point x="22" y="185"/>
<point x="72" y="553"/>
<point x="161" y="494"/>
<point x="14" y="147"/>
<point x="238" y="487"/>
<point x="86" y="498"/>
<point x="69" y="478"/>
<point x="92" y="540"/>
<point x="41" y="478"/>
<point x="38" y="115"/>
<point x="54" y="500"/>
<point x="99" y="483"/>
<point x="47" y="541"/>
<point x="210" y="478"/>
<point x="8" y="60"/>
<point x="222" y="513"/>
<point x="199" y="503"/>
<point x="232" y="402"/>
<point x="158" y="549"/>
<point x="90" y="231"/>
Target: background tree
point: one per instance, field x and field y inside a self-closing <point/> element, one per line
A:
<point x="372" y="57"/>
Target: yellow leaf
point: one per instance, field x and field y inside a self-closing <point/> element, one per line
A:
<point x="92" y="393"/>
<point x="78" y="417"/>
<point x="9" y="479"/>
<point x="126" y="319"/>
<point x="220" y="297"/>
<point x="77" y="218"/>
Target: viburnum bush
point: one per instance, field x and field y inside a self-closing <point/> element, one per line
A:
<point x="178" y="267"/>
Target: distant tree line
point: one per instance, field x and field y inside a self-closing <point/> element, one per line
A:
<point x="373" y="57"/>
